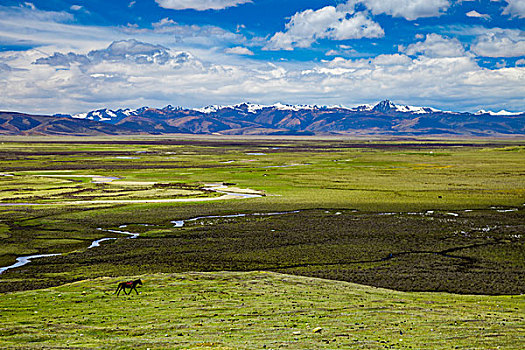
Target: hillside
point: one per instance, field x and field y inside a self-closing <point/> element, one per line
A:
<point x="254" y="310"/>
<point x="12" y="123"/>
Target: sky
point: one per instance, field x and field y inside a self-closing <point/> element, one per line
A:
<point x="61" y="56"/>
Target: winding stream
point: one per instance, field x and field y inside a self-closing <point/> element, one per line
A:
<point x="24" y="260"/>
<point x="181" y="223"/>
<point x="219" y="188"/>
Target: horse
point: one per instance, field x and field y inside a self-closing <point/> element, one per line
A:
<point x="122" y="286"/>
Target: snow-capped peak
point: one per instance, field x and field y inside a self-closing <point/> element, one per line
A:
<point x="171" y="108"/>
<point x="209" y="109"/>
<point x="416" y="110"/>
<point x="128" y="111"/>
<point x="384" y="106"/>
<point x="387" y="106"/>
<point x="106" y="115"/>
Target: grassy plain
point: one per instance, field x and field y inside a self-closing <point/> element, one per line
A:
<point x="416" y="215"/>
<point x="255" y="310"/>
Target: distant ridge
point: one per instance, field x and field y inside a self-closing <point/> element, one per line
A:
<point x="13" y="123"/>
<point x="384" y="118"/>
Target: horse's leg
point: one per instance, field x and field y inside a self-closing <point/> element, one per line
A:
<point x="135" y="287"/>
<point x="118" y="289"/>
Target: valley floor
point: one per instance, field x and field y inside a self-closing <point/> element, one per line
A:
<point x="440" y="222"/>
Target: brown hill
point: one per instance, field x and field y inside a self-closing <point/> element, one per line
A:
<point x="12" y="123"/>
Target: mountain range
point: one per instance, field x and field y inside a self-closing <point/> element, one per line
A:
<point x="384" y="118"/>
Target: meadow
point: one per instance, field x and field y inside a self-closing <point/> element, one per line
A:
<point x="255" y="310"/>
<point x="423" y="217"/>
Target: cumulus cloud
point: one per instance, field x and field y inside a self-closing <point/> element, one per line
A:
<point x="515" y="8"/>
<point x="409" y="9"/>
<point x="500" y="43"/>
<point x="63" y="60"/>
<point x="239" y="50"/>
<point x="435" y="45"/>
<point x="118" y="51"/>
<point x="200" y="5"/>
<point x="306" y="27"/>
<point x="131" y="50"/>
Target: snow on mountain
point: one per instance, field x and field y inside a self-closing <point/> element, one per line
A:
<point x="252" y="107"/>
<point x="209" y="109"/>
<point x="384" y="117"/>
<point x="500" y="113"/>
<point x="416" y="110"/>
<point x="171" y="108"/>
<point x="106" y="115"/>
<point x="383" y="106"/>
<point x="363" y="108"/>
<point x="388" y="106"/>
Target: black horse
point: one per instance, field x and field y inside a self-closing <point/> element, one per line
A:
<point x="122" y="286"/>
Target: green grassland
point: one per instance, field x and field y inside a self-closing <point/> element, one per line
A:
<point x="256" y="310"/>
<point x="414" y="216"/>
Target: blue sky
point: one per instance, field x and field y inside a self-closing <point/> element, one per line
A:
<point x="72" y="56"/>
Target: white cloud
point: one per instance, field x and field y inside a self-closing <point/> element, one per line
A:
<point x="122" y="50"/>
<point x="30" y="13"/>
<point x="30" y="5"/>
<point x="239" y="50"/>
<point x="115" y="80"/>
<point x="498" y="42"/>
<point x="409" y="9"/>
<point x="520" y="62"/>
<point x="453" y="83"/>
<point x="306" y="27"/>
<point x="57" y="32"/>
<point x="76" y="7"/>
<point x="190" y="34"/>
<point x="343" y="50"/>
<point x="476" y="14"/>
<point x="86" y="67"/>
<point x="435" y="45"/>
<point x="515" y="8"/>
<point x="200" y="5"/>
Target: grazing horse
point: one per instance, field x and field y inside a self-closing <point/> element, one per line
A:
<point x="122" y="286"/>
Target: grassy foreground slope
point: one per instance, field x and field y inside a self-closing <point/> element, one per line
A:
<point x="255" y="310"/>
